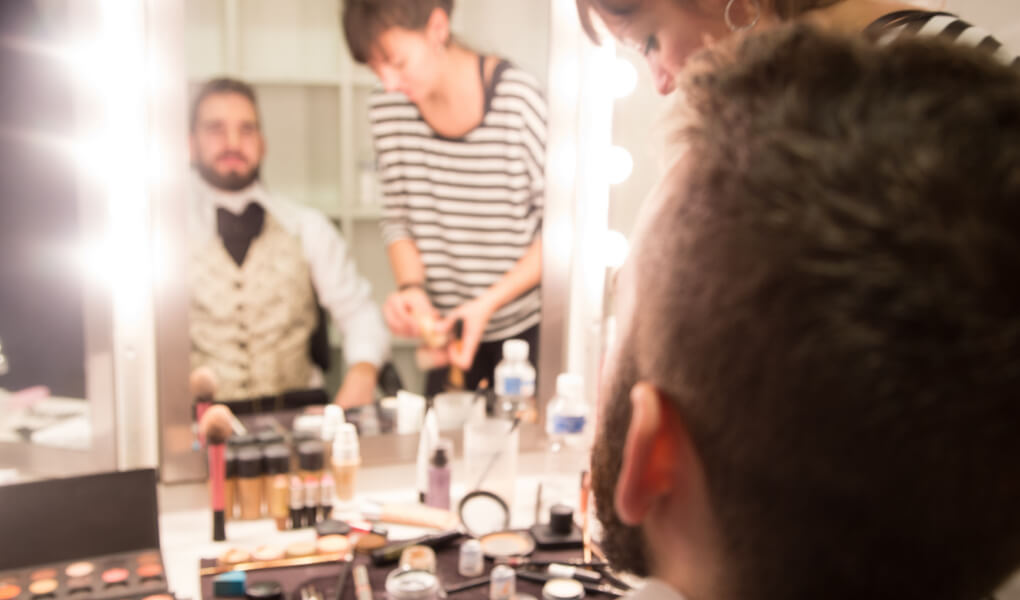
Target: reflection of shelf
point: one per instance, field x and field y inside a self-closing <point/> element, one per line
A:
<point x="397" y="344"/>
<point x="364" y="77"/>
<point x="292" y="80"/>
<point x="367" y="213"/>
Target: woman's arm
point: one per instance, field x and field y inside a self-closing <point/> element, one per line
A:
<point x="405" y="308"/>
<point x="523" y="276"/>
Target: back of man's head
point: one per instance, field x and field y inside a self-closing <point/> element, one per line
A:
<point x="830" y="296"/>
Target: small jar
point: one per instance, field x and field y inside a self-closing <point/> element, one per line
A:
<point x="471" y="561"/>
<point x="410" y="584"/>
<point x="502" y="583"/>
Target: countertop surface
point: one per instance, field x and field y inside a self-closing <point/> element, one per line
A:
<point x="186" y="521"/>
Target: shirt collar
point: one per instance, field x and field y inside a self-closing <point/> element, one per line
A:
<point x="234" y="202"/>
<point x="655" y="589"/>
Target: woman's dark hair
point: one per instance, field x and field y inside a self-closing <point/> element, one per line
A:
<point x="784" y="9"/>
<point x="364" y="20"/>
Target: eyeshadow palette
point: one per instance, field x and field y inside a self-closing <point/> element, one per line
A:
<point x="94" y="537"/>
<point x="134" y="576"/>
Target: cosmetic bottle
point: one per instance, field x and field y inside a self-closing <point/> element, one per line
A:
<point x="230" y="484"/>
<point x="278" y="474"/>
<point x="249" y="484"/>
<point x="346" y="460"/>
<point x="438" y="493"/>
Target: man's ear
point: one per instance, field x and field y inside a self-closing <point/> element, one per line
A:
<point x="652" y="454"/>
<point x="438" y="27"/>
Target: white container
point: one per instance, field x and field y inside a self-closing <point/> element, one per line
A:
<point x="490" y="450"/>
<point x="452" y="409"/>
<point x="410" y="412"/>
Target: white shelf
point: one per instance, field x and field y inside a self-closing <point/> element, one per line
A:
<point x="367" y="213"/>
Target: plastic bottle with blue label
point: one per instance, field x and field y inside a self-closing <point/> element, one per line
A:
<point x="514" y="379"/>
<point x="567" y="456"/>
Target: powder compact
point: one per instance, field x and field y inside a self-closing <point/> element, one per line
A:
<point x="83" y="538"/>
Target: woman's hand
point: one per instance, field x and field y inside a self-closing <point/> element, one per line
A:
<point x="475" y="314"/>
<point x="358" y="388"/>
<point x="404" y="311"/>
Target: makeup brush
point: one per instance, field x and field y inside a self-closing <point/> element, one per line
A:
<point x="215" y="428"/>
<point x="202" y="386"/>
<point x="456" y="379"/>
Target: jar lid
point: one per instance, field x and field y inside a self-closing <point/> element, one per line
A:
<point x="277" y="459"/>
<point x="563" y="589"/>
<point x="230" y="459"/>
<point x="249" y="462"/>
<point x="411" y="584"/>
<point x="264" y="590"/>
<point x="269" y="436"/>
<point x="310" y="456"/>
<point x="240" y="440"/>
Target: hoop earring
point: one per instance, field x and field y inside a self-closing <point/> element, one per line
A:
<point x="729" y="19"/>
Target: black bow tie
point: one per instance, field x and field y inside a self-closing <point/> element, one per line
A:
<point x="238" y="231"/>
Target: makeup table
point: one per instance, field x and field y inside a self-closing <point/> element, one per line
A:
<point x="185" y="521"/>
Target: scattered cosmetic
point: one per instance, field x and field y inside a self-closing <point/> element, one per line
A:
<point x="403" y="584"/>
<point x="264" y="553"/>
<point x="297" y="502"/>
<point x="562" y="589"/>
<point x="438" y="493"/>
<point x="264" y="590"/>
<point x="328" y="489"/>
<point x="118" y="510"/>
<point x="333" y="544"/>
<point x="502" y="583"/>
<point x="300" y="549"/>
<point x="419" y="558"/>
<point x="362" y="585"/>
<point x="503" y="544"/>
<point x="234" y="556"/>
<point x="391" y="552"/>
<point x="471" y="562"/>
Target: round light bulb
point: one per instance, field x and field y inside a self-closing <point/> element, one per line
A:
<point x="615" y="248"/>
<point x="622" y="77"/>
<point x="619" y="164"/>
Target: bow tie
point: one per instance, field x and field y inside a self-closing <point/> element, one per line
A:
<point x="238" y="231"/>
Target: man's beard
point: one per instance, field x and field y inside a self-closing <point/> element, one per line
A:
<point x="624" y="545"/>
<point x="231" y="182"/>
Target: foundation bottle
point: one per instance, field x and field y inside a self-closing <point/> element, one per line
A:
<point x="310" y="466"/>
<point x="249" y="482"/>
<point x="230" y="483"/>
<point x="278" y="476"/>
<point x="346" y="460"/>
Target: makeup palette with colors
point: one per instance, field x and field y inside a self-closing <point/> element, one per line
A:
<point x="94" y="537"/>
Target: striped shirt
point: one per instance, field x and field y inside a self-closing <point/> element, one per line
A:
<point x="939" y="24"/>
<point x="471" y="205"/>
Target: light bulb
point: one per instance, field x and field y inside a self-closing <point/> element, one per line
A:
<point x="619" y="164"/>
<point x="615" y="248"/>
<point x="622" y="77"/>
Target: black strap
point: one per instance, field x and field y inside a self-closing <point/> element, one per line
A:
<point x="497" y="74"/>
<point x="901" y="17"/>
